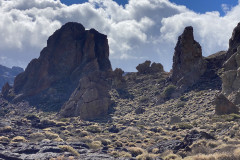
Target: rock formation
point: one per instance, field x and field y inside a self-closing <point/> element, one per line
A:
<point x="234" y="41"/>
<point x="72" y="54"/>
<point x="231" y="75"/>
<point x="148" y="68"/>
<point x="7" y="75"/>
<point x="90" y="99"/>
<point x="188" y="63"/>
<point x="224" y="106"/>
<point x="231" y="78"/>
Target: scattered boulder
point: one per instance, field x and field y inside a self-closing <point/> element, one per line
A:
<point x="188" y="63"/>
<point x="224" y="106"/>
<point x="148" y="68"/>
<point x="177" y="145"/>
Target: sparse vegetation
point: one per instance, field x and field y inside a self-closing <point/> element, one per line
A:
<point x="70" y="149"/>
<point x="168" y="91"/>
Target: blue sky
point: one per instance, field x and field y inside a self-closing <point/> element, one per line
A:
<point x="199" y="6"/>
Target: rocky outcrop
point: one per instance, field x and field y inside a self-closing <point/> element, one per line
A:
<point x="71" y="55"/>
<point x="231" y="75"/>
<point x="7" y="75"/>
<point x="188" y="63"/>
<point x="224" y="106"/>
<point x="49" y="150"/>
<point x="234" y="41"/>
<point x="148" y="68"/>
<point x="90" y="99"/>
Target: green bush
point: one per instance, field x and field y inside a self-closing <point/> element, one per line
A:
<point x="168" y="91"/>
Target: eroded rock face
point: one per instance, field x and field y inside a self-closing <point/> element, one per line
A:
<point x="231" y="78"/>
<point x="224" y="106"/>
<point x="72" y="53"/>
<point x="188" y="63"/>
<point x="90" y="99"/>
<point x="234" y="41"/>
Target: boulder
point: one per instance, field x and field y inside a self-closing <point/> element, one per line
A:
<point x="188" y="63"/>
<point x="118" y="81"/>
<point x="148" y="68"/>
<point x="90" y="100"/>
<point x="224" y="106"/>
<point x="71" y="67"/>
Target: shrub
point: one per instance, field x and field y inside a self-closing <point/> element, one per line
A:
<point x="118" y="144"/>
<point x="18" y="139"/>
<point x="94" y="129"/>
<point x="51" y="135"/>
<point x="146" y="156"/>
<point x="172" y="157"/>
<point x="236" y="153"/>
<point x="38" y="136"/>
<point x="122" y="154"/>
<point x="135" y="151"/>
<point x="168" y="91"/>
<point x="4" y="140"/>
<point x="70" y="149"/>
<point x="95" y="145"/>
<point x="6" y="129"/>
<point x="106" y="142"/>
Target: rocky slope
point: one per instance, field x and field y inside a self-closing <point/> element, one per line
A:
<point x="150" y="117"/>
<point x="8" y="74"/>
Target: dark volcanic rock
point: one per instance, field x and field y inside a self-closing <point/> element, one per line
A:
<point x="148" y="68"/>
<point x="224" y="106"/>
<point x="177" y="145"/>
<point x="188" y="63"/>
<point x="72" y="53"/>
<point x="48" y="150"/>
<point x="234" y="41"/>
<point x="7" y="75"/>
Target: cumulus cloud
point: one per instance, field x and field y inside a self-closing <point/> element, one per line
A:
<point x="141" y="30"/>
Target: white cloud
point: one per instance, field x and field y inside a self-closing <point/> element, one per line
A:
<point x="140" y="30"/>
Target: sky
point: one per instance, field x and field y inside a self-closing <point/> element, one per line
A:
<point x="137" y="30"/>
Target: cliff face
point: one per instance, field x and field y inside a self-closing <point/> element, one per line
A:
<point x="188" y="63"/>
<point x="7" y="75"/>
<point x="71" y="54"/>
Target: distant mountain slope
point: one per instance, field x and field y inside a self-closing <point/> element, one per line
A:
<point x="8" y="74"/>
